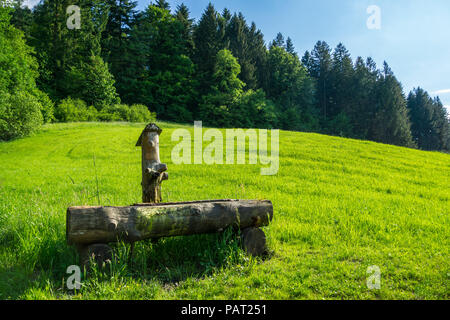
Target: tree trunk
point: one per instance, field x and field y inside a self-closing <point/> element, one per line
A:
<point x="88" y="225"/>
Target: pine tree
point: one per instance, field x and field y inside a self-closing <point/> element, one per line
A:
<point x="319" y="63"/>
<point x="291" y="89"/>
<point x="237" y="37"/>
<point x="208" y="42"/>
<point x="115" y="39"/>
<point x="429" y="121"/>
<point x="160" y="73"/>
<point x="183" y="15"/>
<point x="61" y="49"/>
<point x="391" y="122"/>
<point x="258" y="51"/>
<point x="341" y="93"/>
<point x="442" y="124"/>
<point x="278" y="41"/>
<point x="364" y="97"/>
<point x="226" y="14"/>
<point x="22" y="18"/>
<point x="163" y="4"/>
<point x="290" y="46"/>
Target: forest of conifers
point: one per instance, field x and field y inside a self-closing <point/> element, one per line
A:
<point x="218" y="69"/>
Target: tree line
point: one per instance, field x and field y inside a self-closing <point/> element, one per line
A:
<point x="218" y="69"/>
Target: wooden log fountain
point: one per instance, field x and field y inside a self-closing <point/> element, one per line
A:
<point x="90" y="229"/>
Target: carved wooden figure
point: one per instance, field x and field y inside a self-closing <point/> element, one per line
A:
<point x="153" y="171"/>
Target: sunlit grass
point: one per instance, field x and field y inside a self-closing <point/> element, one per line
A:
<point x="340" y="205"/>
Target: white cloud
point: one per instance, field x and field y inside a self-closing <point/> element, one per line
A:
<point x="441" y="91"/>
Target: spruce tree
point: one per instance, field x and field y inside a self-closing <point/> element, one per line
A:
<point x="258" y="52"/>
<point x="208" y="42"/>
<point x="290" y="46"/>
<point x="341" y="93"/>
<point x="391" y="123"/>
<point x="116" y="39"/>
<point x="279" y="41"/>
<point x="237" y="37"/>
<point x="290" y="87"/>
<point x="182" y="14"/>
<point x="160" y="73"/>
<point x="364" y="97"/>
<point x="22" y="18"/>
<point x="319" y="63"/>
<point x="429" y="121"/>
<point x="60" y="49"/>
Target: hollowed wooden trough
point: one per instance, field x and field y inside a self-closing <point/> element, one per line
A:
<point x="92" y="228"/>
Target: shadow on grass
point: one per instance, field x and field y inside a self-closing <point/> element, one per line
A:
<point x="167" y="262"/>
<point x="41" y="266"/>
<point x="171" y="260"/>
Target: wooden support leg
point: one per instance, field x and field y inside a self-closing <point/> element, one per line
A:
<point x="254" y="241"/>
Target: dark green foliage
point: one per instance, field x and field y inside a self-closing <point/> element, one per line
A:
<point x="227" y="104"/>
<point x="390" y="123"/>
<point x="364" y="86"/>
<point x="217" y="107"/>
<point x="208" y="42"/>
<point x="254" y="110"/>
<point x="62" y="51"/>
<point x="92" y="82"/>
<point x="290" y="46"/>
<point x="279" y="41"/>
<point x="22" y="17"/>
<point x="160" y="73"/>
<point x="238" y="39"/>
<point x="429" y="121"/>
<point x="116" y="39"/>
<point x="290" y="87"/>
<point x="319" y="64"/>
<point x="357" y="100"/>
<point x="182" y="15"/>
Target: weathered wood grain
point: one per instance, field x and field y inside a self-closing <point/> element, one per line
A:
<point x="153" y="171"/>
<point x="88" y="225"/>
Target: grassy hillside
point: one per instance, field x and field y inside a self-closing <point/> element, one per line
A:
<point x="340" y="206"/>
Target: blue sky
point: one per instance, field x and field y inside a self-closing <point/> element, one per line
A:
<point x="414" y="37"/>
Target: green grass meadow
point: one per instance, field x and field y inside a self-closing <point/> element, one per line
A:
<point x="340" y="206"/>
